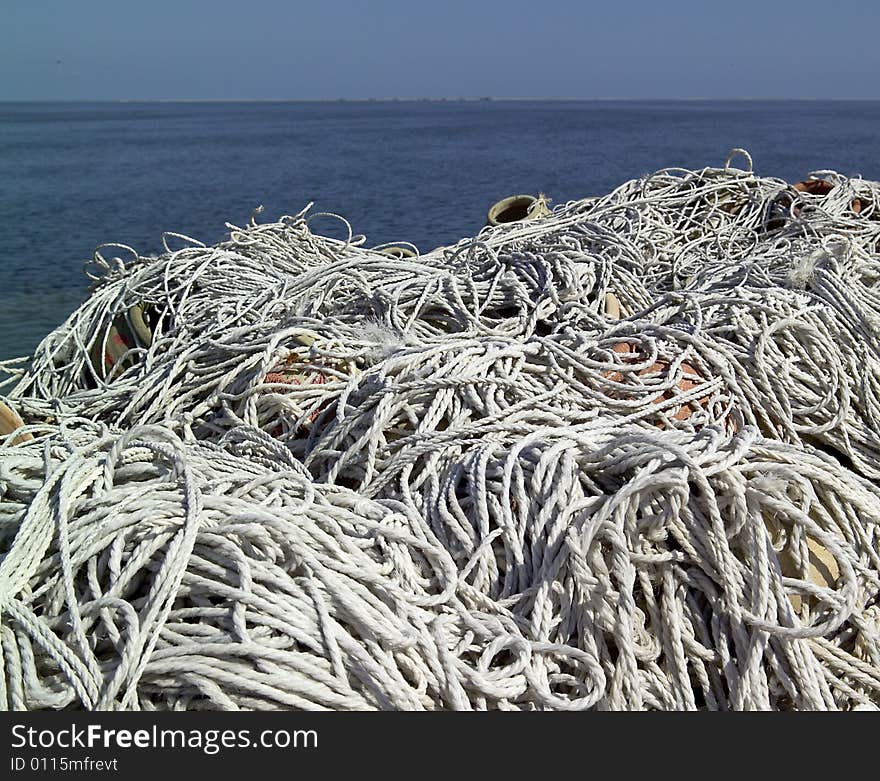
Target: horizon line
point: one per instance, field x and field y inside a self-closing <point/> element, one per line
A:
<point x="451" y="99"/>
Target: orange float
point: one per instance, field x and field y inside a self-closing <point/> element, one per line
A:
<point x="684" y="385"/>
<point x="10" y="422"/>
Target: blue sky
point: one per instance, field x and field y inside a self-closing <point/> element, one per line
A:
<point x="183" y="49"/>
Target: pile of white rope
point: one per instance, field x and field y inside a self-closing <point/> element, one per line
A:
<point x="623" y="457"/>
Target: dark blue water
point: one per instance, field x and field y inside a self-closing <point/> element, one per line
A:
<point x="75" y="175"/>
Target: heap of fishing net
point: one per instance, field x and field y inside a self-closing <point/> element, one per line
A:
<point x="621" y="457"/>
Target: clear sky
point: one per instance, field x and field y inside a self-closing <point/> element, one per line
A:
<point x="219" y="49"/>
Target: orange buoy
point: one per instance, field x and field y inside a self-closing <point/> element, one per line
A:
<point x="814" y="186"/>
<point x="632" y="354"/>
<point x="10" y="422"/>
<point x="821" y="188"/>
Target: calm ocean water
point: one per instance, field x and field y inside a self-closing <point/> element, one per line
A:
<point x="76" y="175"/>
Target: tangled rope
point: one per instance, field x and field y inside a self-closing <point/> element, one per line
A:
<point x="623" y="457"/>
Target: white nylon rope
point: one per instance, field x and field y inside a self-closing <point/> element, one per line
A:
<point x="621" y="457"/>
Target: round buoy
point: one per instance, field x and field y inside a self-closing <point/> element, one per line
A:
<point x="630" y="353"/>
<point x="10" y="422"/>
<point x="612" y="306"/>
<point x="137" y="315"/>
<point x="821" y="188"/>
<point x="814" y="186"/>
<point x="517" y="208"/>
<point x="398" y="252"/>
<point x="821" y="568"/>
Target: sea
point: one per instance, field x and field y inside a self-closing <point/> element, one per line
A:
<point x="76" y="175"/>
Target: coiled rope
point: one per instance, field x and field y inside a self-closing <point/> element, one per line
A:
<point x="623" y="457"/>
